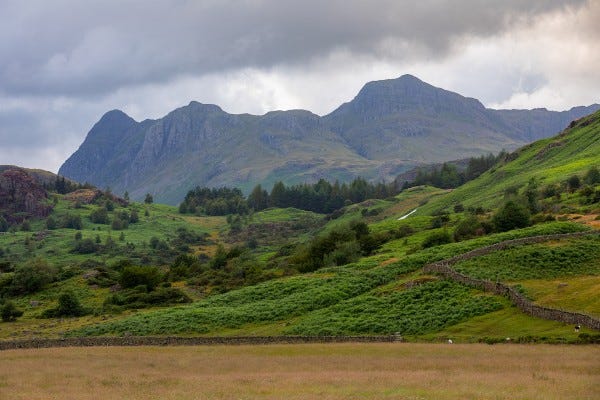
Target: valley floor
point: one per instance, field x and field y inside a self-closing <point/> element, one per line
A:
<point x="323" y="371"/>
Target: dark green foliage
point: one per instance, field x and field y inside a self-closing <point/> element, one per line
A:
<point x="3" y="224"/>
<point x="592" y="176"/>
<point x="9" y="311"/>
<point x="78" y="236"/>
<point x="468" y="228"/>
<point x="85" y="246"/>
<point x="26" y="226"/>
<point x="531" y="194"/>
<point x="574" y="183"/>
<point x="33" y="276"/>
<point x="258" y="199"/>
<point x="72" y="222"/>
<point x="68" y="306"/>
<point x="100" y="216"/>
<point x="511" y="216"/>
<point x="437" y="238"/>
<point x="148" y="199"/>
<point x="320" y="197"/>
<point x="134" y="275"/>
<point x="448" y="175"/>
<point x="119" y="224"/>
<point x="133" y="217"/>
<point x="50" y="223"/>
<point x="215" y="201"/>
<point x="140" y="298"/>
<point x="339" y="246"/>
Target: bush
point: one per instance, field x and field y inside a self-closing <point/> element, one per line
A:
<point x="85" y="246"/>
<point x="467" y="228"/>
<point x="437" y="238"/>
<point x="50" y="223"/>
<point x="68" y="306"/>
<point x="9" y="312"/>
<point x="3" y="224"/>
<point x="99" y="216"/>
<point x="511" y="216"/>
<point x="72" y="222"/>
<point x="30" y="278"/>
<point x="132" y="276"/>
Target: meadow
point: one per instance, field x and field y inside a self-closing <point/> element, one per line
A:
<point x="312" y="371"/>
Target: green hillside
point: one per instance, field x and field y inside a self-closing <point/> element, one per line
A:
<point x="356" y="271"/>
<point x="548" y="161"/>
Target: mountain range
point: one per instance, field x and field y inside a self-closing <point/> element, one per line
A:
<point x="389" y="127"/>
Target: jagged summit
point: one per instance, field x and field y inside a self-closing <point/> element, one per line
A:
<point x="390" y="126"/>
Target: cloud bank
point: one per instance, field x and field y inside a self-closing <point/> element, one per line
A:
<point x="65" y="63"/>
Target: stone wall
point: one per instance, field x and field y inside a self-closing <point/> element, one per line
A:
<point x="187" y="341"/>
<point x="444" y="268"/>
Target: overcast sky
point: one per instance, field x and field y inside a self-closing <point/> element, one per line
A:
<point x="63" y="64"/>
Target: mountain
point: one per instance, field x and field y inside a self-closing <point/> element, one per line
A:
<point x="389" y="127"/>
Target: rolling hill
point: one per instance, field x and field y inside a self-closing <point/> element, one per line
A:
<point x="389" y="127"/>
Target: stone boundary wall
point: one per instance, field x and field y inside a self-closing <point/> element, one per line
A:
<point x="444" y="268"/>
<point x="188" y="341"/>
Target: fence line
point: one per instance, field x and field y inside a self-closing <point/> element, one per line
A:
<point x="519" y="300"/>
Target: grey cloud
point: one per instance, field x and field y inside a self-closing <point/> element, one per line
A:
<point x="94" y="47"/>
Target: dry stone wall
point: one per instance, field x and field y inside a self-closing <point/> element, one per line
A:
<point x="444" y="268"/>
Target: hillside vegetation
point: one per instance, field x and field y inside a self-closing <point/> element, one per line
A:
<point x="101" y="265"/>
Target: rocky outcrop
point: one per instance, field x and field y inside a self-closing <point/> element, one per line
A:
<point x="21" y="197"/>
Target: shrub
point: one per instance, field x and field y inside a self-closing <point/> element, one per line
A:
<point x="9" y="311"/>
<point x="574" y="182"/>
<point x="85" y="246"/>
<point x="30" y="278"/>
<point x="437" y="238"/>
<point x="72" y="222"/>
<point x="68" y="306"/>
<point x="3" y="224"/>
<point x="134" y="275"/>
<point x="467" y="228"/>
<point x="99" y="216"/>
<point x="50" y="223"/>
<point x="592" y="176"/>
<point x="511" y="216"/>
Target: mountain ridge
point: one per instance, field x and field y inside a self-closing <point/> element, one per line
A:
<point x="389" y="127"/>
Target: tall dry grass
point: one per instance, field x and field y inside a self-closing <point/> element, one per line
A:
<point x="314" y="371"/>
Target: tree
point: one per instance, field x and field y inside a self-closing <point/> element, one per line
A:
<point x="9" y="311"/>
<point x="50" y="223"/>
<point x="133" y="275"/>
<point x="258" y="199"/>
<point x="574" y="182"/>
<point x="511" y="216"/>
<point x="32" y="277"/>
<point x="3" y="224"/>
<point x="69" y="305"/>
<point x="592" y="177"/>
<point x="148" y="199"/>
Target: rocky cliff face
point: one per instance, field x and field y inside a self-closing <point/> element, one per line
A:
<point x="21" y="197"/>
<point x="389" y="127"/>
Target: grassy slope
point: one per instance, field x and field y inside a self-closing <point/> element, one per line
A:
<point x="549" y="161"/>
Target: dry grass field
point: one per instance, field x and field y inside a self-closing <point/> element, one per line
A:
<point x="314" y="371"/>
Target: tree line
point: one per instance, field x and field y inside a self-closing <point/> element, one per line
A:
<point x="320" y="197"/>
<point x="449" y="176"/>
